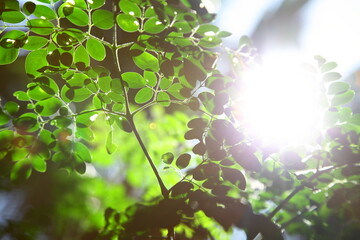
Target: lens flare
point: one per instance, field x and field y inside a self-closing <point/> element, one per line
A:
<point x="279" y="102"/>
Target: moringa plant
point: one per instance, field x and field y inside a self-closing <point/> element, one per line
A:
<point x="115" y="73"/>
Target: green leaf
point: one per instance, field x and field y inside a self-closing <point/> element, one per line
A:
<point x="44" y="12"/>
<point x="175" y="89"/>
<point x="207" y="30"/>
<point x="40" y="92"/>
<point x="103" y="19"/>
<point x="224" y="34"/>
<point x="331" y="76"/>
<point x="104" y="83"/>
<point x="165" y="83"/>
<point x="75" y="94"/>
<point x="182" y="27"/>
<point x="21" y="96"/>
<point x="338" y="87"/>
<point x="34" y="43"/>
<point x="118" y="107"/>
<point x="147" y="61"/>
<point x="81" y="56"/>
<point x="4" y="119"/>
<point x="328" y="67"/>
<point x="11" y="107"/>
<point x="163" y="98"/>
<point x="130" y="8"/>
<point x="127" y="22"/>
<point x="133" y="79"/>
<point x="150" y="78"/>
<point x="96" y="3"/>
<point x="110" y="147"/>
<point x="21" y="171"/>
<point x="29" y="8"/>
<point x="84" y="120"/>
<point x="95" y="49"/>
<point x="42" y="88"/>
<point x="210" y="41"/>
<point x="150" y="12"/>
<point x="85" y="133"/>
<point x="80" y="4"/>
<point x="40" y="26"/>
<point x="154" y="26"/>
<point x="143" y="95"/>
<point x="27" y="122"/>
<point x="13" y="39"/>
<point x="8" y="55"/>
<point x="75" y="34"/>
<point x="48" y="106"/>
<point x="342" y="98"/>
<point x="46" y="137"/>
<point x="167" y="157"/>
<point x="12" y="17"/>
<point x="34" y="61"/>
<point x="38" y="162"/>
<point x="83" y="152"/>
<point x="76" y="16"/>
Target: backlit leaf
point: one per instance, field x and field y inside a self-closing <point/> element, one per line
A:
<point x="8" y="55"/>
<point x="34" y="61"/>
<point x="163" y="98"/>
<point x="103" y="19"/>
<point x="343" y="98"/>
<point x="127" y="22"/>
<point x="133" y="79"/>
<point x="154" y="25"/>
<point x="95" y="49"/>
<point x="35" y="42"/>
<point x="338" y="87"/>
<point x="83" y="152"/>
<point x="44" y="12"/>
<point x="40" y="26"/>
<point x="331" y="76"/>
<point x="12" y="16"/>
<point x="130" y="8"/>
<point x="143" y="95"/>
<point x="167" y="157"/>
<point x="76" y="16"/>
<point x="110" y="147"/>
<point x="11" y="107"/>
<point x="147" y="61"/>
<point x="48" y="106"/>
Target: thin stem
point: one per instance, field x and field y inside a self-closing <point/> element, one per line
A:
<point x="163" y="189"/>
<point x="117" y="62"/>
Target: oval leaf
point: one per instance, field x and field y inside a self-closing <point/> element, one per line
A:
<point x="95" y="49"/>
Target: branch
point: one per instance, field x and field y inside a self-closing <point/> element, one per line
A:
<point x="301" y="187"/>
<point x="128" y="114"/>
<point x="163" y="189"/>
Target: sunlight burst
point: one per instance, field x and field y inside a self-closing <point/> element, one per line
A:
<point x="279" y="102"/>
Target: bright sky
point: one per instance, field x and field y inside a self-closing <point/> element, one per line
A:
<point x="330" y="27"/>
